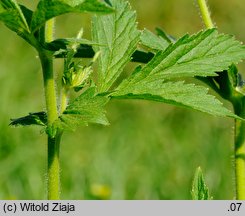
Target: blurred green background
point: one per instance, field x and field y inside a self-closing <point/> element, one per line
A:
<point x="150" y="150"/>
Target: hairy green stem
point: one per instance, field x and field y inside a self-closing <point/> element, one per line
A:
<point x="205" y="13"/>
<point x="52" y="114"/>
<point x="53" y="168"/>
<point x="239" y="149"/>
<point x="49" y="85"/>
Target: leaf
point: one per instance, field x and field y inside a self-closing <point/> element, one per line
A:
<point x="118" y="32"/>
<point x="13" y="17"/>
<point x="199" y="189"/>
<point x="27" y="14"/>
<point x="153" y="41"/>
<point x="87" y="108"/>
<point x="37" y="118"/>
<point x="47" y="9"/>
<point x="180" y="94"/>
<point x="201" y="55"/>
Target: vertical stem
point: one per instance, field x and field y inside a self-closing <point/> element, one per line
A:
<point x="240" y="150"/>
<point x="52" y="114"/>
<point x="205" y="14"/>
<point x="51" y="106"/>
<point x="49" y="85"/>
<point x="53" y="168"/>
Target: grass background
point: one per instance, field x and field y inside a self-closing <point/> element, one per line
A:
<point x="150" y="150"/>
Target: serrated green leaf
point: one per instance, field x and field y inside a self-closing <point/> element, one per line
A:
<point x="47" y="9"/>
<point x="118" y="31"/>
<point x="199" y="55"/>
<point x="153" y="41"/>
<point x="37" y="118"/>
<point x="189" y="56"/>
<point x="87" y="108"/>
<point x="199" y="188"/>
<point x="177" y="93"/>
<point x="13" y="17"/>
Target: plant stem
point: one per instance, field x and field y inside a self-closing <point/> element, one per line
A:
<point x="239" y="149"/>
<point x="53" y="168"/>
<point x="51" y="106"/>
<point x="52" y="114"/>
<point x="205" y="14"/>
<point x="49" y="85"/>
